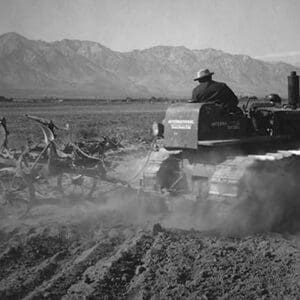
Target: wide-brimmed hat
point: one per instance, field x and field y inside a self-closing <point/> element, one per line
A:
<point x="203" y="73"/>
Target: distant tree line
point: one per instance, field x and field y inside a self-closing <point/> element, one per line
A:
<point x="4" y="99"/>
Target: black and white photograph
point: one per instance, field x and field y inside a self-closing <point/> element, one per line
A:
<point x="149" y="150"/>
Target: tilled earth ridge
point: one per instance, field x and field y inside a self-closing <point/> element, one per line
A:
<point x="105" y="255"/>
<point x="41" y="259"/>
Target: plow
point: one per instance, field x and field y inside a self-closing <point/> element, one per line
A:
<point x="42" y="172"/>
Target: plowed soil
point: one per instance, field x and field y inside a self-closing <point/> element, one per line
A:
<point x="84" y="252"/>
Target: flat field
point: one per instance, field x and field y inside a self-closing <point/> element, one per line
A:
<point x="130" y="122"/>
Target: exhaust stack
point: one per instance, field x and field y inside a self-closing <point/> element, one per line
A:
<point x="293" y="89"/>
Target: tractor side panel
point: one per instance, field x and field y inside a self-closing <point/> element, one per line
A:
<point x="181" y="126"/>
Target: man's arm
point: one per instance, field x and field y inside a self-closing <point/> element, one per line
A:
<point x="194" y="96"/>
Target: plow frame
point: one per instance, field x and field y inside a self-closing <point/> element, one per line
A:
<point x="60" y="174"/>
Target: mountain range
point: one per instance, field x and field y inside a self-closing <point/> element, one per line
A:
<point x="74" y="68"/>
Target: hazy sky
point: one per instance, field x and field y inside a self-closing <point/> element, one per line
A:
<point x="254" y="27"/>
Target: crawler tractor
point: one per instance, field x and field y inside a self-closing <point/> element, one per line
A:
<point x="226" y="158"/>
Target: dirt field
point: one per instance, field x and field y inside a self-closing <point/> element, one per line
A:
<point x="114" y="250"/>
<point x="87" y="252"/>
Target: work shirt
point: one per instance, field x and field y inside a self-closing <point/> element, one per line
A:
<point x="213" y="91"/>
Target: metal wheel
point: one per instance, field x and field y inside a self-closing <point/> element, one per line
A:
<point x="76" y="186"/>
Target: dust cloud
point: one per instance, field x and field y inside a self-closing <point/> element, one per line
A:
<point x="269" y="198"/>
<point x="268" y="201"/>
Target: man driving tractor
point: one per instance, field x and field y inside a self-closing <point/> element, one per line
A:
<point x="209" y="90"/>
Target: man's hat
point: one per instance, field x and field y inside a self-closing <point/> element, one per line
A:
<point x="203" y="73"/>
